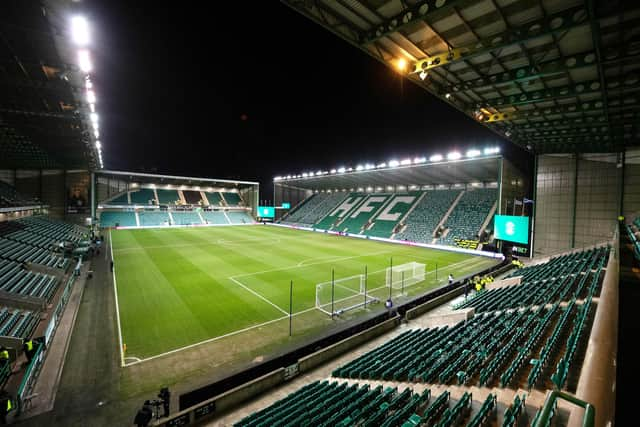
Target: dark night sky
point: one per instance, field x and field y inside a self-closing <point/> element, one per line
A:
<point x="173" y="83"/>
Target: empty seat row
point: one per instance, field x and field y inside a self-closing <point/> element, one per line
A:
<point x="340" y="404"/>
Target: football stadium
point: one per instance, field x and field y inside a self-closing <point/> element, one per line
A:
<point x="464" y="279"/>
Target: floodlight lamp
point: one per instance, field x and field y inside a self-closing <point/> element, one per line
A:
<point x="369" y="166"/>
<point x="288" y="176"/>
<point x="401" y="64"/>
<point x="80" y="30"/>
<point x="419" y="160"/>
<point x="435" y="158"/>
<point x="473" y="153"/>
<point x="88" y="84"/>
<point x="349" y="169"/>
<point x="93" y="117"/>
<point x="454" y="155"/>
<point x="304" y="175"/>
<point x="91" y="97"/>
<point x="382" y="165"/>
<point x="84" y="61"/>
<point x="318" y="173"/>
<point x="98" y="145"/>
<point x="405" y="162"/>
<point x="96" y="134"/>
<point x="423" y="75"/>
<point x="359" y="167"/>
<point x="341" y="170"/>
<point x="333" y="171"/>
<point x="92" y="107"/>
<point x="447" y="95"/>
<point x="394" y="163"/>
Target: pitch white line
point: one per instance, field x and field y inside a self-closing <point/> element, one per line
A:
<point x="209" y="340"/>
<point x="115" y="291"/>
<point x="239" y="331"/>
<point x="314" y="263"/>
<point x="258" y="295"/>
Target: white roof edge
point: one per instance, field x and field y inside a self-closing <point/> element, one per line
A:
<point x="151" y="175"/>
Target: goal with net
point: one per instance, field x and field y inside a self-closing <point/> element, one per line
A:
<point x="340" y="295"/>
<point x="405" y="275"/>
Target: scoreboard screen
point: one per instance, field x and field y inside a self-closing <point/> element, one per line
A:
<point x="512" y="228"/>
<point x="266" y="212"/>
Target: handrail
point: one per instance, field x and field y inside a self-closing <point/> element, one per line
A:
<point x="550" y="403"/>
<point x="27" y="374"/>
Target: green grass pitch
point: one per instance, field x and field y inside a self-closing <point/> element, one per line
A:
<point x="177" y="287"/>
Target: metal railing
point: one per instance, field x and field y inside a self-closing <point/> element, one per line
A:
<point x="548" y="409"/>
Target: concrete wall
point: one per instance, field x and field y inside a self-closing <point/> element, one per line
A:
<point x="631" y="197"/>
<point x="577" y="200"/>
<point x="311" y="361"/>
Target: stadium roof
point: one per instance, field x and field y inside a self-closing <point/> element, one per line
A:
<point x="148" y="178"/>
<point x="43" y="123"/>
<point x="549" y="75"/>
<point x="447" y="172"/>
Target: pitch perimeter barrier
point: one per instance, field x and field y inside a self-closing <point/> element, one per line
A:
<point x="210" y="400"/>
<point x="237" y="395"/>
<point x="397" y="242"/>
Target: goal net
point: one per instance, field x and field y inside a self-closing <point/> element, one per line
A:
<point x="404" y="275"/>
<point x="340" y="295"/>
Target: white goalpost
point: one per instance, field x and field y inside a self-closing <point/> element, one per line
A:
<point x="340" y="295"/>
<point x="404" y="275"/>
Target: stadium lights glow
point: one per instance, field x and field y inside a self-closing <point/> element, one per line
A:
<point x="413" y="187"/>
<point x="349" y="169"/>
<point x="88" y="84"/>
<point x="369" y="189"/>
<point x="448" y="96"/>
<point x="419" y="160"/>
<point x="80" y="31"/>
<point x="333" y="171"/>
<point x="360" y="189"/>
<point x="92" y="107"/>
<point x="277" y="178"/>
<point x="473" y="153"/>
<point x="93" y="117"/>
<point x="304" y="175"/>
<point x="436" y="158"/>
<point x="359" y="167"/>
<point x="389" y="188"/>
<point x="491" y="150"/>
<point x="454" y="155"/>
<point x="288" y="176"/>
<point x="394" y="163"/>
<point x="84" y="61"/>
<point x="369" y="166"/>
<point x="401" y="64"/>
<point x="382" y="165"/>
<point x="341" y="170"/>
<point x="405" y="162"/>
<point x="96" y="134"/>
<point x="98" y="145"/>
<point x="318" y="173"/>
<point x="91" y="97"/>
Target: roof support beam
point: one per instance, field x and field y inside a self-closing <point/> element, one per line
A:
<point x="561" y="21"/>
<point x="416" y="13"/>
